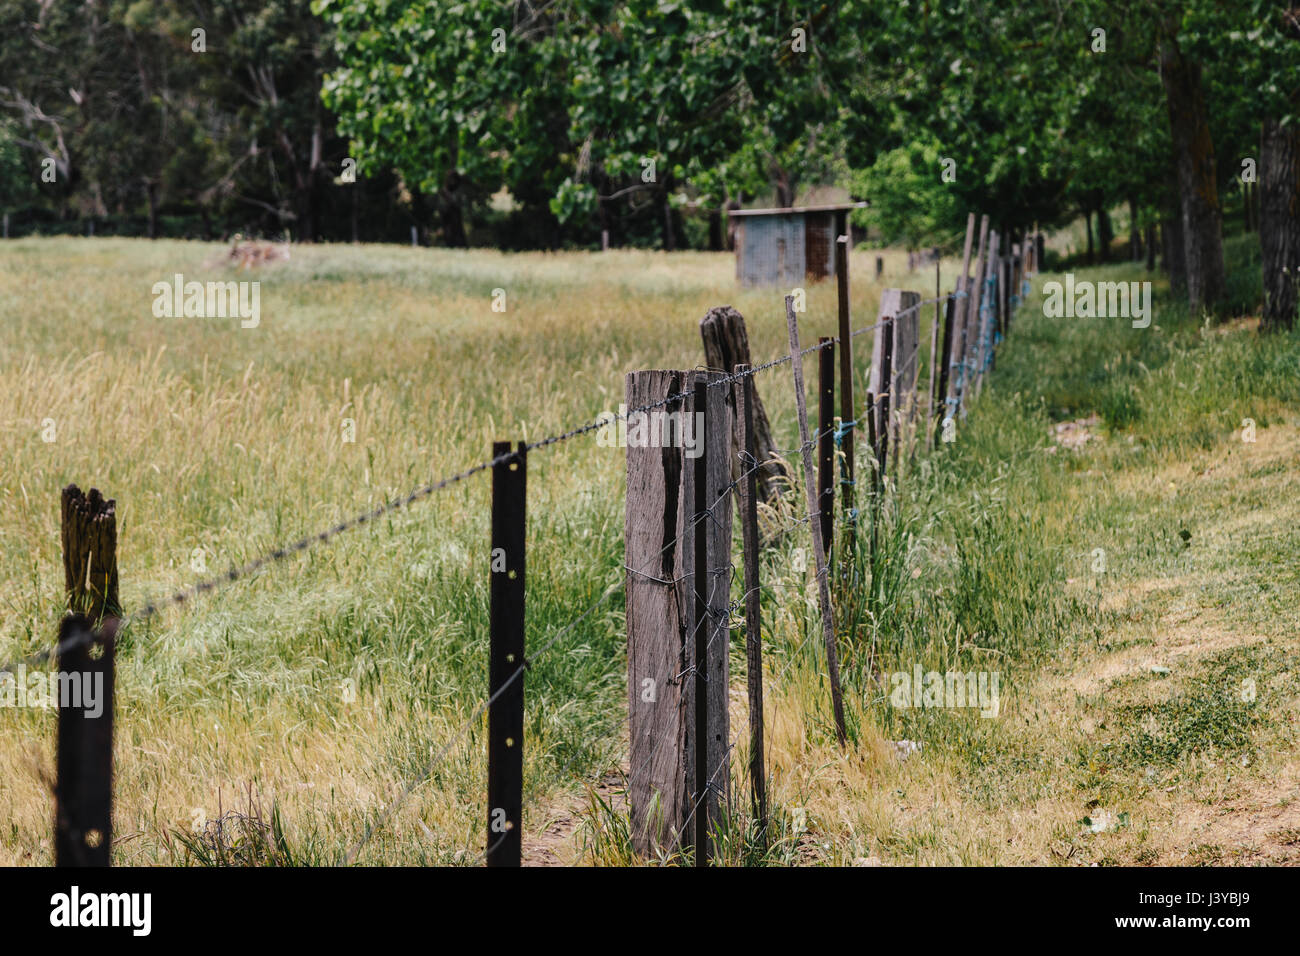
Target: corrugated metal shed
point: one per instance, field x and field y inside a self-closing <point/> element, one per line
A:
<point x="787" y="246"/>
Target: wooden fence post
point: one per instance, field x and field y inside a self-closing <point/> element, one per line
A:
<point x="945" y="362"/>
<point x="703" y="600"/>
<point x="934" y="347"/>
<point x="971" y="317"/>
<point x="506" y="660"/>
<point x="83" y="818"/>
<point x="726" y="345"/>
<point x="894" y="360"/>
<point x="660" y="531"/>
<point x="963" y="292"/>
<point x="848" y="413"/>
<point x="819" y="552"/>
<point x="992" y="300"/>
<point x="886" y="333"/>
<point x="826" y="440"/>
<point x="753" y="603"/>
<point x="880" y="267"/>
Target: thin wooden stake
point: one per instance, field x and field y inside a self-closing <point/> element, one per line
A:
<point x="823" y="586"/>
<point x="506" y="658"/>
<point x="972" y="317"/>
<point x="753" y="604"/>
<point x="848" y="413"/>
<point x="934" y="346"/>
<point x="826" y="440"/>
<point x="883" y="429"/>
<point x="701" y="587"/>
<point x="962" y="307"/>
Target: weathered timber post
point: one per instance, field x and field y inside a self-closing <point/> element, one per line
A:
<point x="971" y="318"/>
<point x="726" y="345"/>
<point x="893" y="376"/>
<point x="992" y="307"/>
<point x="660" y="531"/>
<point x="963" y="296"/>
<point x="89" y="533"/>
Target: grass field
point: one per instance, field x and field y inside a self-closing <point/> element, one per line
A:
<point x="228" y="440"/>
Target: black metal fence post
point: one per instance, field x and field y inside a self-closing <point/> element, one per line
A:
<point x="83" y="792"/>
<point x="506" y="659"/>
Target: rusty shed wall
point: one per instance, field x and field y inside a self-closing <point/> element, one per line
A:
<point x="770" y="250"/>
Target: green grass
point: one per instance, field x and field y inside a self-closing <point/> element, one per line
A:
<point x="228" y="440"/>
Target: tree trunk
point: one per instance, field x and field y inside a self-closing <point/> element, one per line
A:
<point x="1202" y="224"/>
<point x="1279" y="223"/>
<point x="453" y="219"/>
<point x="1175" y="255"/>
<point x="1087" y="224"/>
<point x="1134" y="233"/>
<point x="670" y="234"/>
<point x="1151" y="247"/>
<point x="715" y="230"/>
<point x="151" y="194"/>
<point x="1105" y="233"/>
<point x="784" y="187"/>
<point x="730" y="223"/>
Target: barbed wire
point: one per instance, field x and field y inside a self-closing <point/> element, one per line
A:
<point x="83" y="637"/>
<point x="283" y="552"/>
<point x="532" y="658"/>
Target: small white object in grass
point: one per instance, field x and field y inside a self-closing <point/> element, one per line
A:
<point x="905" y="748"/>
<point x="1159" y="669"/>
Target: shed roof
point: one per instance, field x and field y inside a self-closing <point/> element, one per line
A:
<point x="795" y="210"/>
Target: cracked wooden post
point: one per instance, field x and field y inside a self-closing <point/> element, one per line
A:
<point x="726" y="345"/>
<point x="660" y="526"/>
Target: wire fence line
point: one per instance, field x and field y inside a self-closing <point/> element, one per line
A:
<point x="532" y="657"/>
<point x="81" y="637"/>
<point x="288" y="550"/>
